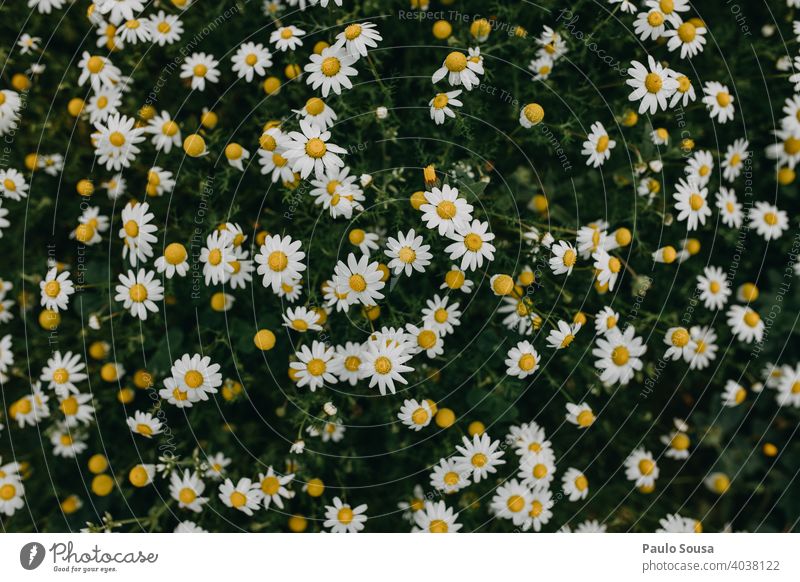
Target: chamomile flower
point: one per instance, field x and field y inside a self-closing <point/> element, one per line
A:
<point x="342" y="518"/>
<point x="196" y="376"/>
<point x="134" y="31"/>
<point x="251" y="59"/>
<point x="28" y="43"/>
<point x="274" y="487"/>
<point x="512" y="501"/>
<point x="144" y="424"/>
<point x="99" y="71"/>
<point x="767" y="220"/>
<point x="62" y="372"/>
<point x="522" y="360"/>
<point x="677" y="443"/>
<point x="788" y="387"/>
<point x="166" y="132"/>
<point x="702" y="349"/>
<point x="287" y="38"/>
<point x="358" y="38"/>
<point x="444" y="210"/>
<point x="347" y="363"/>
<point x="415" y="415"/>
<point x="115" y="141"/>
<point x="641" y="468"/>
<point x="216" y="257"/>
<point x="472" y="245"/>
<point x="13" y="185"/>
<point x="436" y="518"/>
<point x="733" y="394"/>
<point x="408" y="254"/>
<point x="56" y="289"/>
<point x="245" y="495"/>
<point x="441" y="315"/>
<point x="28" y="411"/>
<point x="591" y="238"/>
<point x="541" y="67"/>
<point x="426" y="339"/>
<point x="618" y="355"/>
<point x="608" y="268"/>
<point x="456" y="280"/>
<point x="75" y="409"/>
<point x="575" y="484"/>
<point x="597" y="147"/>
<point x="118" y="11"/>
<point x="67" y="443"/>
<point x="730" y="210"/>
<point x="165" y="28"/>
<point x="312" y="367"/>
<point x="714" y="288"/>
<point x="280" y="261"/>
<point x="174" y="260"/>
<point x="360" y="279"/>
<point x="11" y="493"/>
<point x="441" y="106"/>
<point x="735" y="156"/>
<point x="103" y="103"/>
<point x="687" y="37"/>
<point x="529" y="438"/>
<point x="538" y="469"/>
<point x="745" y="323"/>
<point x="318" y="113"/>
<point x="718" y="101"/>
<point x="459" y="70"/>
<point x="137" y="232"/>
<point x="674" y="523"/>
<point x="581" y="415"/>
<point x="787" y="149"/>
<point x="653" y="85"/>
<point x="310" y="150"/>
<point x="679" y="342"/>
<point x="480" y="455"/>
<point x="331" y="70"/>
<point x="691" y="203"/>
<point x="339" y="193"/>
<point x="174" y="395"/>
<point x="384" y="364"/>
<point x="302" y="319"/>
<point x="187" y="490"/>
<point x="551" y="43"/>
<point x="365" y="241"/>
<point x="564" y="258"/>
<point x="684" y="92"/>
<point x="448" y="478"/>
<point x="699" y="167"/>
<point x="200" y="68"/>
<point x="650" y="25"/>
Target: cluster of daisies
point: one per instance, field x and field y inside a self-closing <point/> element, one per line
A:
<point x="384" y="360"/>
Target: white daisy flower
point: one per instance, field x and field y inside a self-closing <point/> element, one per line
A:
<point x="735" y="156"/>
<point x="280" y="261"/>
<point x="581" y="415"/>
<point x="245" y="496"/>
<point x="187" y="491"/>
<point x="699" y="167"/>
<point x="444" y="210"/>
<point x="310" y="151"/>
<point x="745" y="323"/>
<point x="251" y="59"/>
<point x="597" y="147"/>
<point x="274" y="487"/>
<point x="691" y="203"/>
<point x="446" y="477"/>
<point x="166" y="132"/>
<point x="312" y="367"/>
<point x="200" y="67"/>
<point x="339" y="193"/>
<point x="115" y="141"/>
<point x="347" y="363"/>
<point x="733" y="394"/>
<point x="618" y="355"/>
<point x="61" y="373"/>
<point x="788" y="387"/>
<point x="575" y="484"/>
<point x="541" y="67"/>
<point x="415" y="415"/>
<point x="56" y="288"/>
<point x="358" y="38"/>
<point x="137" y="232"/>
<point x="117" y="11"/>
<point x="459" y="70"/>
<point x="144" y="424"/>
<point x="512" y="501"/>
<point x="522" y="360"/>
<point x="174" y="260"/>
<point x="714" y="288"/>
<point x="650" y="25"/>
<point x="440" y="106"/>
<point x="318" y="113"/>
<point x="481" y="455"/>
<point x="768" y="221"/>
<point x="718" y="101"/>
<point x="653" y="85"/>
<point x="703" y="348"/>
<point x="436" y="518"/>
<point x="684" y="92"/>
<point x="563" y="259"/>
<point x="341" y="518"/>
<point x="608" y="268"/>
<point x="674" y="523"/>
<point x="360" y="279"/>
<point x="641" y="468"/>
<point x="456" y="280"/>
<point x="75" y="409"/>
<point x="174" y="395"/>
<point x="384" y="364"/>
<point x="13" y="185"/>
<point x="302" y="319"/>
<point x="67" y="443"/>
<point x="196" y="376"/>
<point x="99" y="71"/>
<point x="331" y="70"/>
<point x="426" y="339"/>
<point x="472" y="244"/>
<point x="216" y="257"/>
<point x="440" y="315"/>
<point x="165" y="28"/>
<point x="677" y="443"/>
<point x="537" y="469"/>
<point x="563" y="336"/>
<point x="787" y="151"/>
<point x="730" y="210"/>
<point x="407" y="253"/>
<point x="689" y="38"/>
<point x="287" y="38"/>
<point x="103" y="103"/>
<point x="679" y="342"/>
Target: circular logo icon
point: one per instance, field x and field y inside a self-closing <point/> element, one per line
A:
<point x="31" y="555"/>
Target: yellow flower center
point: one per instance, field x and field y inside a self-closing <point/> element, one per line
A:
<point x="407" y="255"/>
<point x="352" y="363"/>
<point x="653" y="82"/>
<point x="164" y="27"/>
<point x="251" y="59"/>
<point x="287" y="33"/>
<point x="440" y="101"/>
<point x="331" y="66"/>
<point x="585" y="418"/>
<point x="539" y="470"/>
<point x="620" y="355"/>
<point x="614" y="265"/>
<point x="446" y="209"/>
<point x="144" y="429"/>
<point x="200" y="70"/>
<point x="175" y="253"/>
<point x="680" y="442"/>
<point x="473" y="242"/>
<point x="440" y="315"/>
<point x="270" y="485"/>
<point x="193" y="379"/>
<point x="7" y="491"/>
<point x="581" y="483"/>
<point x="238" y="499"/>
<point x="515" y="503"/>
<point x="479" y="460"/>
<point x="527" y="362"/>
<point x="132" y="228"/>
<point x="187" y="495"/>
<point x="138" y="293"/>
<point x="316" y="367"/>
<point x="116" y="139"/>
<point x="455" y="62"/>
<point x="438" y="526"/>
<point x="680" y="337"/>
<point x="383" y="365"/>
<point x="723" y="98"/>
<point x="357" y="283"/>
<point x="751" y="318"/>
<point x="426" y="339"/>
<point x="419" y="416"/>
<point x="687" y="32"/>
<point x="352" y="32"/>
<point x="95" y="65"/>
<point x="52" y="288"/>
<point x="569" y="258"/>
<point x="655" y="19"/>
<point x="316" y="147"/>
<point x="646" y="466"/>
<point x="536" y="508"/>
<point x="69" y="406"/>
